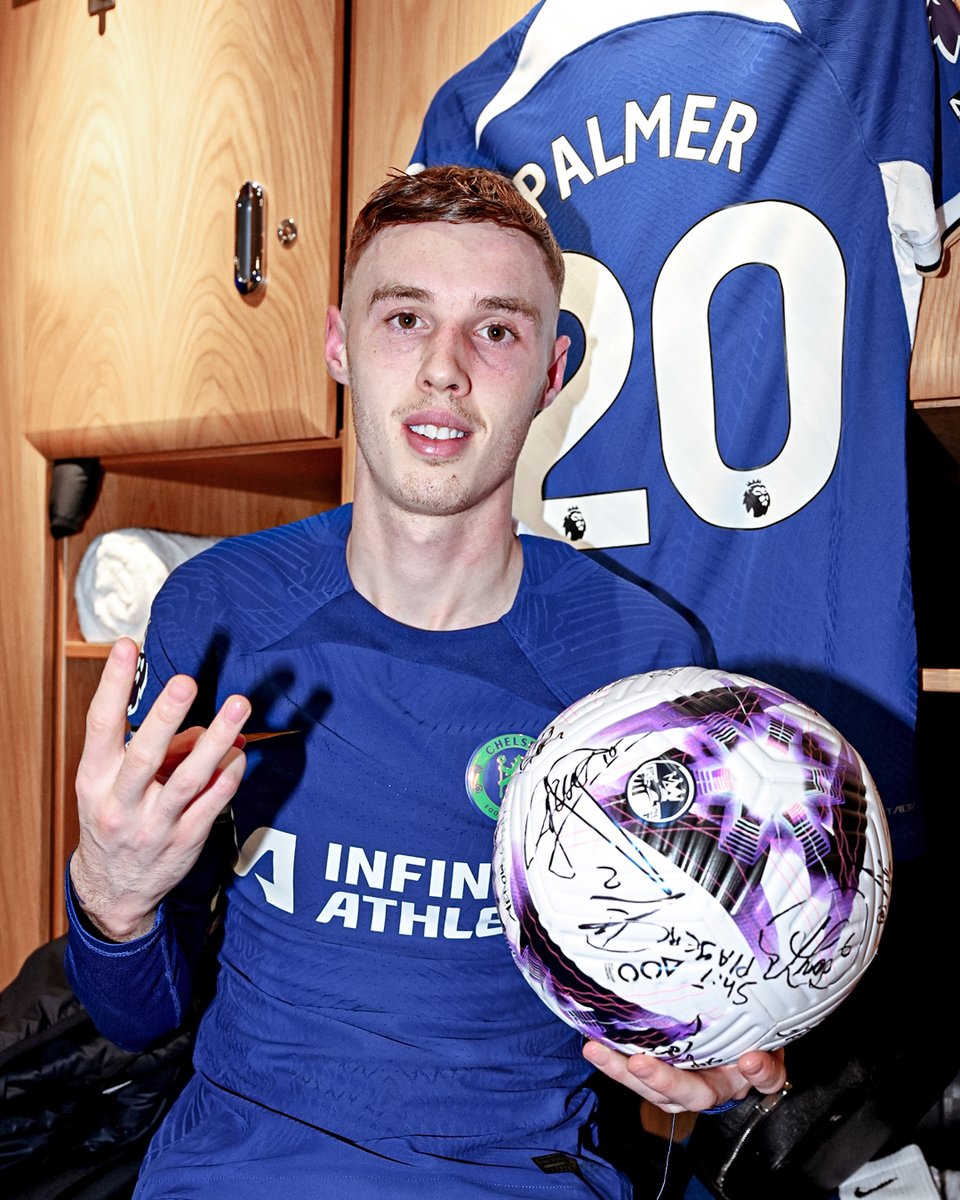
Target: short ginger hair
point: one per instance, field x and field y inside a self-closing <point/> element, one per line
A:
<point x="456" y="194"/>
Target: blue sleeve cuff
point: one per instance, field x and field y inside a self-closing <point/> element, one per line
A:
<point x="91" y="937"/>
<point x="136" y="992"/>
<point x="721" y="1108"/>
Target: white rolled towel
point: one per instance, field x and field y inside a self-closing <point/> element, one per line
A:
<point x="120" y="573"/>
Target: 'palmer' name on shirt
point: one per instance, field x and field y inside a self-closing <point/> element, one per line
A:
<point x="703" y="133"/>
<point x="371" y="888"/>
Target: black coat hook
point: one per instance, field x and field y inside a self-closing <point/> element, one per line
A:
<point x="100" y="8"/>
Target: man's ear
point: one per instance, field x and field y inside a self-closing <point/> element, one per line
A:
<point x="335" y="351"/>
<point x="555" y="370"/>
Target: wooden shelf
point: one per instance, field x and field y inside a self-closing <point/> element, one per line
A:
<point x="942" y="418"/>
<point x="216" y="492"/>
<point x="77" y="648"/>
<point x="221" y="492"/>
<point x="303" y="470"/>
<point x="940" y="679"/>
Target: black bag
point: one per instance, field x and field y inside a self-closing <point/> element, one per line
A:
<point x="76" y="1111"/>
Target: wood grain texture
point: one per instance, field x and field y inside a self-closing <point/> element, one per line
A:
<point x="940" y="679"/>
<point x="935" y="365"/>
<point x="303" y="470"/>
<point x="26" y="635"/>
<point x="134" y="146"/>
<point x="121" y="331"/>
<point x="402" y="51"/>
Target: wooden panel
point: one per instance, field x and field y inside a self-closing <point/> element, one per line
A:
<point x="132" y="146"/>
<point x="25" y="604"/>
<point x="935" y="366"/>
<point x="176" y="506"/>
<point x="79" y="682"/>
<point x="402" y="51"/>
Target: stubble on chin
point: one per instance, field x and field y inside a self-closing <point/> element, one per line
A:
<point x="433" y="487"/>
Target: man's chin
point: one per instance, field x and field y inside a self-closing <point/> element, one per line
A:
<point x="433" y="501"/>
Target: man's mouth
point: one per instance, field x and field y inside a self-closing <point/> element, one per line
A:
<point x="437" y="433"/>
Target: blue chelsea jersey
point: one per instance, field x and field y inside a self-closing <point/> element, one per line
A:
<point x="369" y="1027"/>
<point x="361" y="925"/>
<point x="745" y="195"/>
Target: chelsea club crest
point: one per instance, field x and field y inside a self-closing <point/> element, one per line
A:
<point x="491" y="767"/>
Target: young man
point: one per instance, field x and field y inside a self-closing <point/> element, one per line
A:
<point x="370" y="1035"/>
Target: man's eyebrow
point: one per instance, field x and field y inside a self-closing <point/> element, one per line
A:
<point x="400" y="291"/>
<point x="510" y="304"/>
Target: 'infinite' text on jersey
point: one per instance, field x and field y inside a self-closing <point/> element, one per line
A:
<point x="380" y="872"/>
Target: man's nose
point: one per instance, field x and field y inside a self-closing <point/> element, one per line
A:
<point x="444" y="364"/>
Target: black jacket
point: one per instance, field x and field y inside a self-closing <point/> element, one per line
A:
<point x="76" y="1112"/>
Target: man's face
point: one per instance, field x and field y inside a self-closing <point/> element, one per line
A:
<point x="447" y="340"/>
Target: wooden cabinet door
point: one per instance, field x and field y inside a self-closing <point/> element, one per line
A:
<point x="402" y="51"/>
<point x="132" y="145"/>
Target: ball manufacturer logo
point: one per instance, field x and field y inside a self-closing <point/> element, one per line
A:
<point x="492" y="765"/>
<point x="660" y="790"/>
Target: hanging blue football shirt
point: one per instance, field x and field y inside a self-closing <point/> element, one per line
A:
<point x="745" y="197"/>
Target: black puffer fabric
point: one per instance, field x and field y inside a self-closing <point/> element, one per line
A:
<point x="76" y="1112"/>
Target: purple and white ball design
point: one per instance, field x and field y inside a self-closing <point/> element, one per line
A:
<point x="692" y="864"/>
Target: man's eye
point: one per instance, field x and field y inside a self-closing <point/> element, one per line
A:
<point x="406" y="320"/>
<point x="497" y="333"/>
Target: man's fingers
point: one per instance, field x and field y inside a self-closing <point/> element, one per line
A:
<point x="106" y="722"/>
<point x="182" y="744"/>
<point x="643" y="1076"/>
<point x="766" y="1072"/>
<point x="212" y="754"/>
<point x="223" y="783"/>
<point x="177" y="751"/>
<point x="664" y="1085"/>
<point x="147" y="749"/>
<point x="107" y="714"/>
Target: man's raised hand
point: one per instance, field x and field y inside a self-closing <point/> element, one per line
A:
<point x="147" y="805"/>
